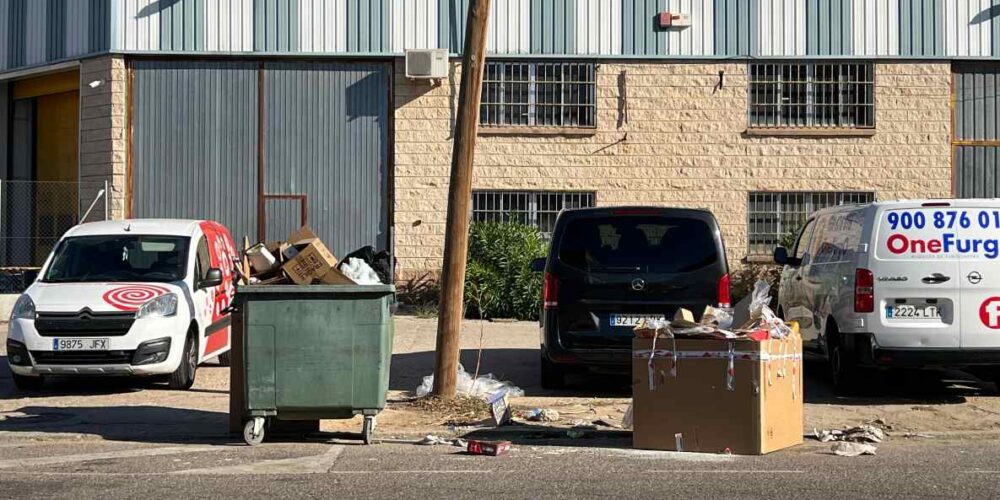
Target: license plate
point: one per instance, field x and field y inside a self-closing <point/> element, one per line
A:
<point x="632" y="320"/>
<point x="79" y="344"/>
<point x="913" y="311"/>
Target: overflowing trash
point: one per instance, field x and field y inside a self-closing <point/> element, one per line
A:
<point x="303" y="259"/>
<point x="743" y="361"/>
<point x="484" y="386"/>
<point x="717" y="323"/>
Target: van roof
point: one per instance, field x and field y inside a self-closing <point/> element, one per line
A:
<point x="930" y="202"/>
<point x="164" y="227"/>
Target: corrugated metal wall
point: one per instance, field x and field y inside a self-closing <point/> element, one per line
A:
<point x="4" y="124"/>
<point x="327" y="138"/>
<point x="195" y="142"/>
<point x="977" y="130"/>
<point x="47" y="30"/>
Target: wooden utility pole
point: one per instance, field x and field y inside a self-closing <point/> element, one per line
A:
<point x="456" y="243"/>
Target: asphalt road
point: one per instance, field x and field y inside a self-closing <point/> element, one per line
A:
<point x="590" y="469"/>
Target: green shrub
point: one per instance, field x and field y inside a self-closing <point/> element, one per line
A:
<point x="499" y="282"/>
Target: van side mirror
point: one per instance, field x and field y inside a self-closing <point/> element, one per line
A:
<point x="538" y="265"/>
<point x="781" y="257"/>
<point x="212" y="278"/>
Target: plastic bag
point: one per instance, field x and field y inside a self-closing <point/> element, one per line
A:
<point x="760" y="299"/>
<point x="360" y="272"/>
<point x="484" y="386"/>
<point x="761" y="311"/>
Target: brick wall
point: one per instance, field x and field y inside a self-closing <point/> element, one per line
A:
<point x="683" y="145"/>
<point x="103" y="138"/>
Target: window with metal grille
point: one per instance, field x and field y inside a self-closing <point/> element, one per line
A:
<point x="544" y="94"/>
<point x="534" y="208"/>
<point x="812" y="95"/>
<point x="775" y="217"/>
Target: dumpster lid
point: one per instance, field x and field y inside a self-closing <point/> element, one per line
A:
<point x="319" y="289"/>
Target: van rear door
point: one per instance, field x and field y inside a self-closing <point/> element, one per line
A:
<point x="619" y="265"/>
<point x="917" y="283"/>
<point x="979" y="261"/>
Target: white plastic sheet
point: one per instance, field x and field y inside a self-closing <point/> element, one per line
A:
<point x="484" y="386"/>
<point x="360" y="272"/>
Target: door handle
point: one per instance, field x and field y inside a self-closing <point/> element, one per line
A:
<point x="935" y="279"/>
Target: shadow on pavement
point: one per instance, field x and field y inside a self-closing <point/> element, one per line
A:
<point x="888" y="387"/>
<point x="538" y="435"/>
<point x="519" y="366"/>
<point x="146" y="424"/>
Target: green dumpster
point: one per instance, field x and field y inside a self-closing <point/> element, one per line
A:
<point x="314" y="352"/>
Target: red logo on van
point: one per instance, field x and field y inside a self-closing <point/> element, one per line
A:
<point x="989" y="313"/>
<point x="129" y="298"/>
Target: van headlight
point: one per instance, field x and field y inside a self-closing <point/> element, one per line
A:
<point x="160" y="307"/>
<point x="24" y="308"/>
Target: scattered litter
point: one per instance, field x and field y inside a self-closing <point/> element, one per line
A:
<point x="488" y="448"/>
<point x="499" y="408"/>
<point x="606" y="422"/>
<point x="627" y="419"/>
<point x="865" y="433"/>
<point x="542" y="415"/>
<point x="483" y="386"/>
<point x="432" y="440"/>
<point x="575" y="433"/>
<point x="584" y="425"/>
<point x="917" y="435"/>
<point x="360" y="272"/>
<point x="852" y="449"/>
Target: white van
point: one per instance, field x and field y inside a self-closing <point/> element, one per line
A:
<point x="134" y="297"/>
<point x="906" y="283"/>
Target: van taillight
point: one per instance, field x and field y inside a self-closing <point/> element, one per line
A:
<point x="864" y="291"/>
<point x="724" y="298"/>
<point x="550" y="292"/>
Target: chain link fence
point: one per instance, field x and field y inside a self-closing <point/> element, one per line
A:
<point x="35" y="214"/>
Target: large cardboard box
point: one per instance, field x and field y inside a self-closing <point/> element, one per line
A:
<point x="699" y="402"/>
<point x="311" y="262"/>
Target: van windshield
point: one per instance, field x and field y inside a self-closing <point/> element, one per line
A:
<point x="118" y="258"/>
<point x="653" y="244"/>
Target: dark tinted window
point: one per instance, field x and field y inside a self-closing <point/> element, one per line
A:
<point x="638" y="243"/>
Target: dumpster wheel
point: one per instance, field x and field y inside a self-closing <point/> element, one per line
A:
<point x="253" y="431"/>
<point x="368" y="429"/>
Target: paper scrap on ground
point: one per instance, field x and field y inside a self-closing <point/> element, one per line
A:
<point x="861" y="434"/>
<point x="846" y="449"/>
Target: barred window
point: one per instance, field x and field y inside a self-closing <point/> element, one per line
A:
<point x="775" y="217"/>
<point x="549" y="94"/>
<point x="812" y="95"/>
<point x="535" y="208"/>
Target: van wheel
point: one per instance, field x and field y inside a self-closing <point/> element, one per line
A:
<point x="225" y="359"/>
<point x="183" y="378"/>
<point x="843" y="369"/>
<point x="553" y="377"/>
<point x="25" y="383"/>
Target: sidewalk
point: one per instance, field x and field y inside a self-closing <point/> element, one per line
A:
<point x="137" y="411"/>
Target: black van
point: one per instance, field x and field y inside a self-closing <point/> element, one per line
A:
<point x="610" y="267"/>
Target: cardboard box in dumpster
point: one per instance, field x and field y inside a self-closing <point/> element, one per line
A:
<point x="717" y="395"/>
